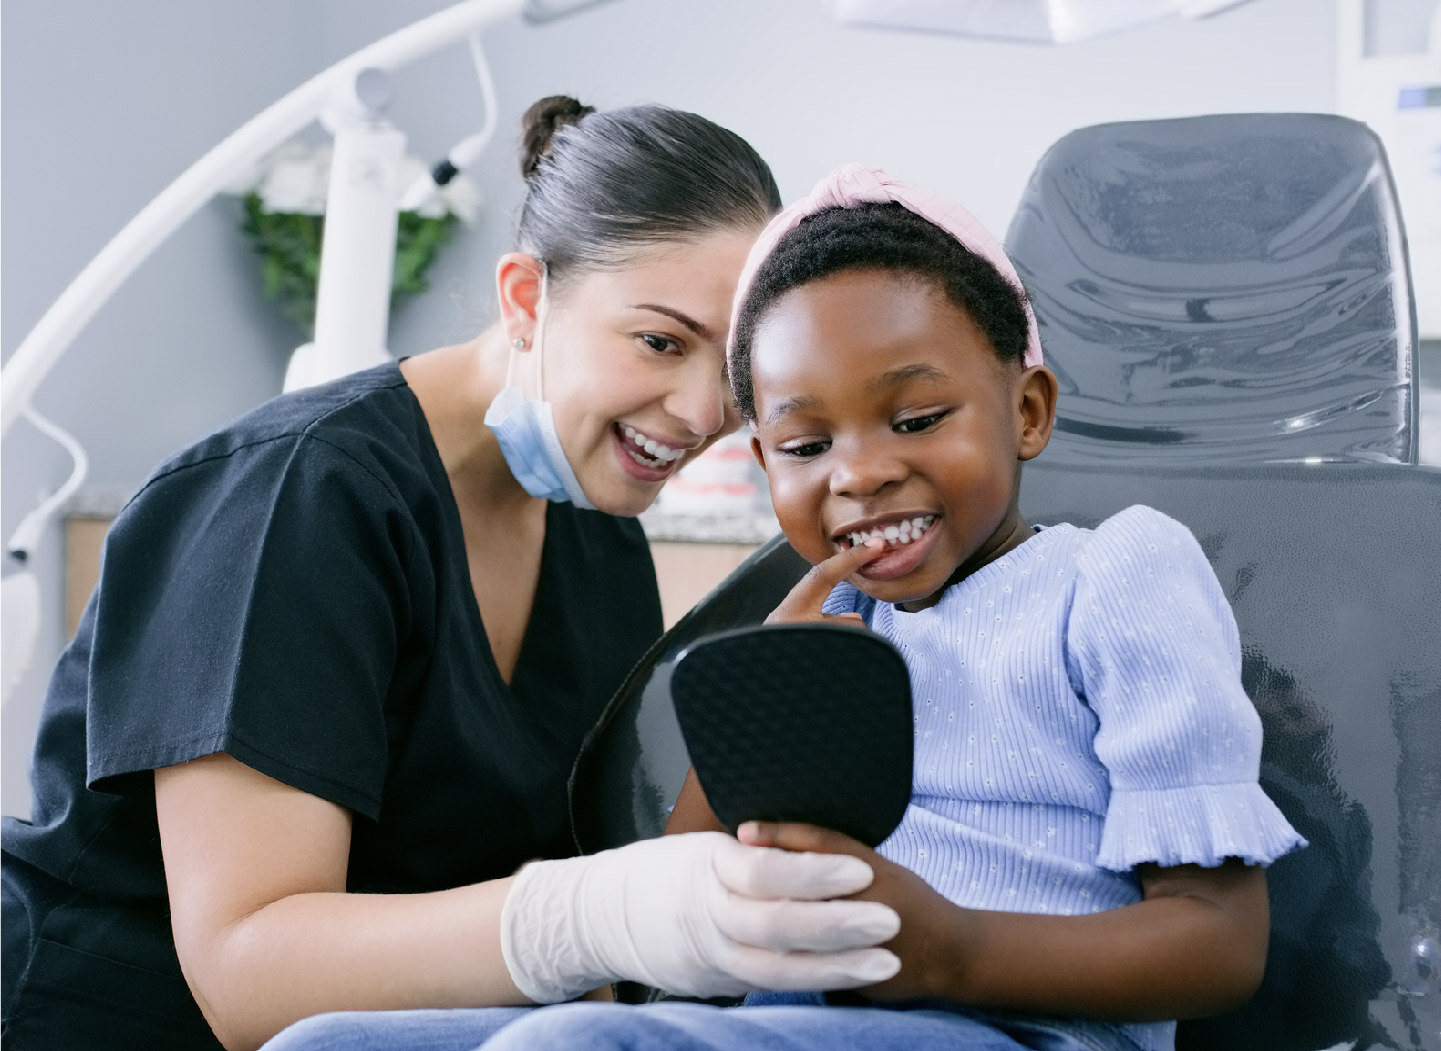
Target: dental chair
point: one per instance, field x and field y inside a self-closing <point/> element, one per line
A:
<point x="1223" y="288"/>
<point x="1269" y="406"/>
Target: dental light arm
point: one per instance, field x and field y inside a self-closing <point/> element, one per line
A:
<point x="358" y="249"/>
<point x="20" y="591"/>
<point x="75" y="307"/>
<point x="463" y="154"/>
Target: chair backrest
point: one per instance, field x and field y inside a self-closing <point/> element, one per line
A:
<point x="1222" y="288"/>
<point x="1334" y="573"/>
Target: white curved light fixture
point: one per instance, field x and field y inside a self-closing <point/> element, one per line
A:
<point x="349" y="97"/>
<point x="84" y="297"/>
<point x="1039" y="21"/>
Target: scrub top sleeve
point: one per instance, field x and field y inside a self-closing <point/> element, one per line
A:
<point x="1153" y="647"/>
<point x="254" y="603"/>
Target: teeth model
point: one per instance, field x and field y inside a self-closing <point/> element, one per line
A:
<point x="901" y="533"/>
<point x="648" y="450"/>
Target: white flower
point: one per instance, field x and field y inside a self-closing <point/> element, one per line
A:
<point x="462" y="198"/>
<point x="459" y="197"/>
<point x="295" y="180"/>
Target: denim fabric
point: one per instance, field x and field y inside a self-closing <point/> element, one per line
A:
<point x="803" y="1025"/>
<point x="436" y="1030"/>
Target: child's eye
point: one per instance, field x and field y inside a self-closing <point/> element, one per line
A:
<point x="917" y="424"/>
<point x="660" y="344"/>
<point x="804" y="449"/>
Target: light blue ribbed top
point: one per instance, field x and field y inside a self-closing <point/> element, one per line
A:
<point x="1078" y="710"/>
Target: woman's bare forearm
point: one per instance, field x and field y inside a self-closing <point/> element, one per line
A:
<point x="315" y="952"/>
<point x="264" y="928"/>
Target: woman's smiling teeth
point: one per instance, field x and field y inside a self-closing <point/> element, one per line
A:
<point x="895" y="533"/>
<point x="648" y="451"/>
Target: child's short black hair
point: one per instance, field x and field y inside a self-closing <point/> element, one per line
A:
<point x="885" y="236"/>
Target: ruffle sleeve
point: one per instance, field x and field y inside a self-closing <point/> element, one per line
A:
<point x="1153" y="648"/>
<point x="1199" y="824"/>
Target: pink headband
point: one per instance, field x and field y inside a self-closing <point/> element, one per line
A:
<point x="851" y="185"/>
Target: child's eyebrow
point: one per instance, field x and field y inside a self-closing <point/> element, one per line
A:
<point x="896" y="377"/>
<point x="800" y="403"/>
<point x="900" y="376"/>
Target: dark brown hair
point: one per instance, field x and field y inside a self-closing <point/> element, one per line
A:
<point x="604" y="185"/>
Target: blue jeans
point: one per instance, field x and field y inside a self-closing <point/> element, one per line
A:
<point x="780" y="1026"/>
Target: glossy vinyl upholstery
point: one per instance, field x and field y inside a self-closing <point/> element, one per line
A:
<point x="1232" y="285"/>
<point x="1334" y="573"/>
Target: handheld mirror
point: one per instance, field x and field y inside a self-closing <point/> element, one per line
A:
<point x="799" y="722"/>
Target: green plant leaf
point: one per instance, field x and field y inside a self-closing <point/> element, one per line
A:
<point x="289" y="248"/>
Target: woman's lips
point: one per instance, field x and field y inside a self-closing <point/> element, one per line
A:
<point x="640" y="461"/>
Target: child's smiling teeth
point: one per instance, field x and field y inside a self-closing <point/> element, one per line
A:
<point x="895" y="533"/>
<point x="647" y="450"/>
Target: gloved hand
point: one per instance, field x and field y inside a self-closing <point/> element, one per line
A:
<point x="697" y="914"/>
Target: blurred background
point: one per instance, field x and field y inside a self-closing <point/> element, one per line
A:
<point x="103" y="104"/>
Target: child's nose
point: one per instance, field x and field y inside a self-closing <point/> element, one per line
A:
<point x="862" y="471"/>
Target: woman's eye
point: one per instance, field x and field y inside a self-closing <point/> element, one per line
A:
<point x="917" y="424"/>
<point x="804" y="450"/>
<point x="660" y="344"/>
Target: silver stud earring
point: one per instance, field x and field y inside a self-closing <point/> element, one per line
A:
<point x="518" y="343"/>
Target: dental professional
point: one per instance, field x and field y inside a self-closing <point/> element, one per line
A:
<point x="317" y="722"/>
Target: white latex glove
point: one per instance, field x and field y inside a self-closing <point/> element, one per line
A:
<point x="698" y="914"/>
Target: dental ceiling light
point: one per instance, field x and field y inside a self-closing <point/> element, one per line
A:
<point x="1045" y="21"/>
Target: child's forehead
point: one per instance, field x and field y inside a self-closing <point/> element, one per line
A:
<point x="863" y="332"/>
<point x="856" y="290"/>
<point x="884" y="312"/>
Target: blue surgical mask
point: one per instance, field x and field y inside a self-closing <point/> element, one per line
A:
<point x="527" y="435"/>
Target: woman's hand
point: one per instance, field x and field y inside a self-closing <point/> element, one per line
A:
<point x="698" y="914"/>
<point x="923" y="912"/>
<point x="808" y="597"/>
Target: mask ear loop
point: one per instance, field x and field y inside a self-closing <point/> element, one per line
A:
<point x="510" y="358"/>
<point x="539" y="317"/>
<point x="510" y="365"/>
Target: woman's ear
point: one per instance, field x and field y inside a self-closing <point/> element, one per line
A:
<point x="1036" y="404"/>
<point x="518" y="283"/>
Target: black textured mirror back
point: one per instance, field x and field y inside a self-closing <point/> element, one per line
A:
<point x="799" y="722"/>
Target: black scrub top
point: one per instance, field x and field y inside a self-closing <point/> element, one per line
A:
<point x="294" y="591"/>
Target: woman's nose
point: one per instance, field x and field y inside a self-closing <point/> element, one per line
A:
<point x="702" y="401"/>
<point x="861" y="469"/>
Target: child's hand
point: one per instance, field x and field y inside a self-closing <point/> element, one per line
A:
<point x="924" y="913"/>
<point x="806" y="599"/>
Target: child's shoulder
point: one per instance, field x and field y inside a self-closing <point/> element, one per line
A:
<point x="1140" y="535"/>
<point x="1140" y="524"/>
<point x="1137" y="532"/>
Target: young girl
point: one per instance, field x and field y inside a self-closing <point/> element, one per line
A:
<point x="1082" y="858"/>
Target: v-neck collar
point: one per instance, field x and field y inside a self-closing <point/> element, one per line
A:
<point x="456" y="528"/>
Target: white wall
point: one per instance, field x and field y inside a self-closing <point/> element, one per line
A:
<point x="134" y="91"/>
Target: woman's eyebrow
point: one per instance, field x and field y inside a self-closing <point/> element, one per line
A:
<point x="679" y="316"/>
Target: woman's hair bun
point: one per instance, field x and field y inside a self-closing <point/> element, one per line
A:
<point x="540" y="123"/>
